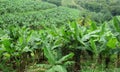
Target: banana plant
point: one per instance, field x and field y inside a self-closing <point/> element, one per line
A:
<point x="116" y="24"/>
<point x="50" y="46"/>
<point x="56" y="65"/>
<point x="19" y="44"/>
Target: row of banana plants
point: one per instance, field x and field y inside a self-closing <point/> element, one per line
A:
<point x="69" y="48"/>
<point x="34" y="19"/>
<point x="13" y="6"/>
<point x="92" y="44"/>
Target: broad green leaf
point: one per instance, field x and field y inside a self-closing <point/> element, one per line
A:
<point x="55" y="46"/>
<point x="77" y="35"/>
<point x="77" y="31"/>
<point x="112" y="43"/>
<point x="26" y="49"/>
<point x="7" y="43"/>
<point x="20" y="40"/>
<point x="48" y="53"/>
<point x="6" y="55"/>
<point x="2" y="50"/>
<point x="65" y="58"/>
<point x="93" y="26"/>
<point x="93" y="45"/>
<point x="89" y="35"/>
<point x="102" y="29"/>
<point x="86" y="37"/>
<point x="43" y="66"/>
<point x="57" y="68"/>
<point x="116" y="24"/>
<point x="69" y="63"/>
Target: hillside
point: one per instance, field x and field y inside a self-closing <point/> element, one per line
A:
<point x="59" y="35"/>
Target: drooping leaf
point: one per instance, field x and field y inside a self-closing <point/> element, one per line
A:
<point x="57" y="68"/>
<point x="65" y="58"/>
<point x="26" y="49"/>
<point x="89" y="35"/>
<point x="56" y="46"/>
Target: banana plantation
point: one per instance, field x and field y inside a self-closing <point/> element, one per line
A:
<point x="59" y="36"/>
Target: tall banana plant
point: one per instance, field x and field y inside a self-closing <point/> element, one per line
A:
<point x="101" y="42"/>
<point x="51" y="48"/>
<point x="116" y="25"/>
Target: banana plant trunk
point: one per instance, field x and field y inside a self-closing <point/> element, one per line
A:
<point x="77" y="66"/>
<point x="107" y="61"/>
<point x="118" y="60"/>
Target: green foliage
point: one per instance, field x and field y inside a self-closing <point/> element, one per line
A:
<point x="116" y="24"/>
<point x="49" y="55"/>
<point x="114" y="7"/>
<point x="112" y="43"/>
<point x="41" y="34"/>
<point x="57" y="2"/>
<point x="58" y="16"/>
<point x="59" y="45"/>
<point x="13" y="6"/>
<point x="93" y="6"/>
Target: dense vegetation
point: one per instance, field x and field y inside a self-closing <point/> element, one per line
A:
<point x="59" y="35"/>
